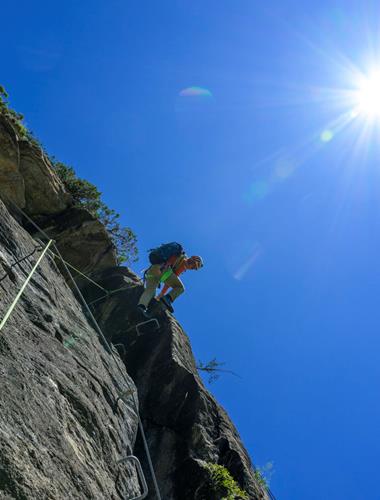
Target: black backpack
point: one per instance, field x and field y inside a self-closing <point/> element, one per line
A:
<point x="162" y="253"/>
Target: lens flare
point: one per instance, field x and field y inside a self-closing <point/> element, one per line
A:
<point x="247" y="265"/>
<point x="195" y="92"/>
<point x="284" y="168"/>
<point x="327" y="135"/>
<point x="257" y="191"/>
<point x="369" y="96"/>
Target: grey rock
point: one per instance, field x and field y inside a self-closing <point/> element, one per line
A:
<point x="81" y="238"/>
<point x="61" y="432"/>
<point x="185" y="425"/>
<point x="44" y="191"/>
<point x="11" y="180"/>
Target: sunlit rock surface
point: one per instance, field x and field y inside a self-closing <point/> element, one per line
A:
<point x="11" y="180"/>
<point x="27" y="177"/>
<point x="44" y="191"/>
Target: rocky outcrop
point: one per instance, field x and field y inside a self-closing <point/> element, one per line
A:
<point x="11" y="180"/>
<point x="61" y="432"/>
<point x="28" y="179"/>
<point x="26" y="175"/>
<point x="44" y="191"/>
<point x="186" y="426"/>
<point x="81" y="238"/>
<point x="61" y="428"/>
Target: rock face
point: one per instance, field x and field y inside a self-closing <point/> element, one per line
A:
<point x="61" y="433"/>
<point x="81" y="238"/>
<point x="186" y="426"/>
<point x="62" y="429"/>
<point x="28" y="179"/>
<point x="26" y="176"/>
<point x="11" y="180"/>
<point x="44" y="191"/>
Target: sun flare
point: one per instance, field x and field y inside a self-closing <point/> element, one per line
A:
<point x="368" y="96"/>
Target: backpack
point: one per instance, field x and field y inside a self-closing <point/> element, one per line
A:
<point x="163" y="253"/>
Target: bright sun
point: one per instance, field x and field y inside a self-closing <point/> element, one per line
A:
<point x="368" y="96"/>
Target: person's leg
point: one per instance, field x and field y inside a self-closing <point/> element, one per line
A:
<point x="152" y="277"/>
<point x="176" y="285"/>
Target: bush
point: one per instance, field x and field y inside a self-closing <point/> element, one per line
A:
<point x="223" y="484"/>
<point x="260" y="479"/>
<point x="88" y="196"/>
<point x="14" y="117"/>
<point x="264" y="474"/>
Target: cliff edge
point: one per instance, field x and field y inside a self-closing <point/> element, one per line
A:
<point x="63" y="425"/>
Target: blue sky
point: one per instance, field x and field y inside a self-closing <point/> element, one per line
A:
<point x="266" y="178"/>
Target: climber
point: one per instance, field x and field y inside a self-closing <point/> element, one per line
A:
<point x="168" y="261"/>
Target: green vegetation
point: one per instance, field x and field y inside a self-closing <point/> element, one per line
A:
<point x="263" y="475"/>
<point x="14" y="117"/>
<point x="88" y="196"/>
<point x="84" y="193"/>
<point x="223" y="484"/>
<point x="260" y="479"/>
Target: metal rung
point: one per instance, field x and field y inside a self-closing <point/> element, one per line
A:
<point x="140" y="474"/>
<point x="14" y="303"/>
<point x="122" y="346"/>
<point x="8" y="267"/>
<point x="153" y="321"/>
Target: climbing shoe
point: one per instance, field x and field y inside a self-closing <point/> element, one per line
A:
<point x="167" y="301"/>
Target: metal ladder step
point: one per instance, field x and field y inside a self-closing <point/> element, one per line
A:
<point x="140" y="473"/>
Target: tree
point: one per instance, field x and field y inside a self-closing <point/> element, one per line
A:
<point x="213" y="369"/>
<point x="86" y="195"/>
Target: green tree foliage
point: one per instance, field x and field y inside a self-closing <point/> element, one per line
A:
<point x="84" y="193"/>
<point x="223" y="484"/>
<point x="264" y="474"/>
<point x="88" y="196"/>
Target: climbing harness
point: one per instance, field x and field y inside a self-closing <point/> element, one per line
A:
<point x="168" y="271"/>
<point x="99" y="331"/>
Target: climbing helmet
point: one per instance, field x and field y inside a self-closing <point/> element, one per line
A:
<point x="195" y="262"/>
